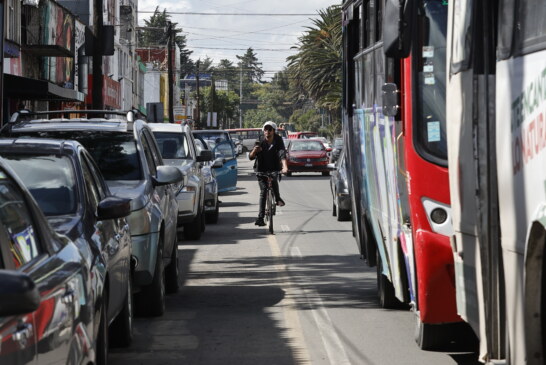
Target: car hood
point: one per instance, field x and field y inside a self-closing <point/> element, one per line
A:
<point x="66" y="225"/>
<point x="130" y="189"/>
<point x="307" y="154"/>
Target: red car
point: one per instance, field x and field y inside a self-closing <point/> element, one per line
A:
<point x="304" y="155"/>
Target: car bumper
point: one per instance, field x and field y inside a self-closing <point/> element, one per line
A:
<point x="313" y="168"/>
<point x="145" y="252"/>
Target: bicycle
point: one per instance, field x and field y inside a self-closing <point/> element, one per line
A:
<point x="270" y="203"/>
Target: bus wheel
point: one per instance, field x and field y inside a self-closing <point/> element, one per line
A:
<point x="385" y="289"/>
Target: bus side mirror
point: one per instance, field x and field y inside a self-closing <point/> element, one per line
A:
<point x="390" y="100"/>
<point x="398" y="19"/>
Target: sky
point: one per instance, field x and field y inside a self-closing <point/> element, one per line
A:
<point x="225" y="36"/>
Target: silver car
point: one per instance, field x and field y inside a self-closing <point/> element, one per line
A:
<point x="177" y="146"/>
<point x="128" y="157"/>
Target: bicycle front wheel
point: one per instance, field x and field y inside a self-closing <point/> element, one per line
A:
<point x="271" y="206"/>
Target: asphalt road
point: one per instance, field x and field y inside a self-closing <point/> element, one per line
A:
<point x="300" y="296"/>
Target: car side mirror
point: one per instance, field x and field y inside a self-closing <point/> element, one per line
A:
<point x="113" y="207"/>
<point x="390" y="99"/>
<point x="18" y="292"/>
<point x="204" y="156"/>
<point x="167" y="175"/>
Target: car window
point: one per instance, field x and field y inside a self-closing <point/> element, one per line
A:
<point x="90" y="186"/>
<point x="225" y="149"/>
<point x="50" y="179"/>
<point x="173" y="145"/>
<point x="149" y="157"/>
<point x="96" y="175"/>
<point x="156" y="155"/>
<point x="115" y="154"/>
<point x="17" y="220"/>
<point x="306" y="146"/>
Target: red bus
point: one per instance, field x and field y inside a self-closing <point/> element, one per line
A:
<point x="397" y="153"/>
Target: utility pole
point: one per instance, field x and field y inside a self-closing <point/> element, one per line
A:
<point x="241" y="96"/>
<point x="170" y="72"/>
<point x="96" y="93"/>
<point x="198" y="116"/>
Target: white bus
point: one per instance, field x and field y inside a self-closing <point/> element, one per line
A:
<point x="496" y="92"/>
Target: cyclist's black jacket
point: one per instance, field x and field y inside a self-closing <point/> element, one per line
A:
<point x="269" y="159"/>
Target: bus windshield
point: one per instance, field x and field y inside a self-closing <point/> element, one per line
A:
<point x="430" y="66"/>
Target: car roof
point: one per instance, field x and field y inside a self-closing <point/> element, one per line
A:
<point x="40" y="145"/>
<point x="166" y="127"/>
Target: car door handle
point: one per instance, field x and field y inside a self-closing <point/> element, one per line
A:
<point x="232" y="167"/>
<point x="24" y="331"/>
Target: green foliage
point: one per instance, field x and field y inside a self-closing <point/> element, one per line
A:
<point x="257" y="117"/>
<point x="306" y="120"/>
<point x="157" y="35"/>
<point x="316" y="68"/>
<point x="251" y="71"/>
<point x="225" y="103"/>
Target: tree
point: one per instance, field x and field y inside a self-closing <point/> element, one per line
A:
<point x="157" y="36"/>
<point x="316" y="67"/>
<point x="226" y="70"/>
<point x="251" y="70"/>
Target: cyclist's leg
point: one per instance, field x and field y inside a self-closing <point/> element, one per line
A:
<point x="277" y="193"/>
<point x="262" y="181"/>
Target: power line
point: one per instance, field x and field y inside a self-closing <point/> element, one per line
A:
<point x="228" y="14"/>
<point x="244" y="49"/>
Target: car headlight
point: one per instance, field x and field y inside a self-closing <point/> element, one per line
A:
<point x="139" y="222"/>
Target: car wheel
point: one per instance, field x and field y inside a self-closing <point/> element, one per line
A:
<point x="172" y="272"/>
<point x="121" y="331"/>
<point x="192" y="231"/>
<point x="212" y="217"/>
<point x="203" y="221"/>
<point x="102" y="336"/>
<point x="342" y="214"/>
<point x="289" y="174"/>
<point x="151" y="300"/>
<point x="325" y="173"/>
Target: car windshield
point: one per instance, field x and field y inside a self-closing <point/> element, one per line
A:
<point x="216" y="137"/>
<point x="50" y="179"/>
<point x="306" y="146"/>
<point x="172" y="145"/>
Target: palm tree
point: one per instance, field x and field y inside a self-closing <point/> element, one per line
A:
<point x="316" y="68"/>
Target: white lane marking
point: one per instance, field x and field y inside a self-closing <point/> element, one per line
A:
<point x="332" y="344"/>
<point x="289" y="307"/>
<point x="285" y="228"/>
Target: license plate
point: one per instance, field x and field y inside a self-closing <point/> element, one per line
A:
<point x="308" y="165"/>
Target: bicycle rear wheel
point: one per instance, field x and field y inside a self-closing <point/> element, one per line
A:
<point x="271" y="205"/>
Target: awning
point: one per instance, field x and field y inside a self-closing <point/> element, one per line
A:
<point x="32" y="89"/>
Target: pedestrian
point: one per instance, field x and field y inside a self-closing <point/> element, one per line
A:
<point x="270" y="156"/>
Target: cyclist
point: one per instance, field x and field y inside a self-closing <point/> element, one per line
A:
<point x="270" y="156"/>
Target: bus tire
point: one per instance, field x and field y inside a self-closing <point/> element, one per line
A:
<point x="385" y="289"/>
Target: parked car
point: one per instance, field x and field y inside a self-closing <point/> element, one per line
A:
<point x="222" y="147"/>
<point x="336" y="149"/>
<point x="69" y="188"/>
<point x="51" y="307"/>
<point x="306" y="155"/>
<point x="341" y="199"/>
<point x="177" y="147"/>
<point x="212" y="204"/>
<point x="128" y="157"/>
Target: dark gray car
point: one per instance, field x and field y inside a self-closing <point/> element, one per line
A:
<point x="69" y="188"/>
<point x="51" y="305"/>
<point x="341" y="199"/>
<point x="128" y="157"/>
